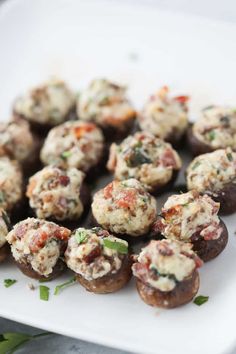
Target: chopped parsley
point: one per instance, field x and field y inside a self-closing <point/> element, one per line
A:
<point x="81" y="236"/>
<point x="9" y="282"/>
<point x="137" y="158"/>
<point x="200" y="300"/>
<point x="230" y="156"/>
<point x="44" y="292"/>
<point x="12" y="341"/>
<point x="66" y="154"/>
<point x="115" y="245"/>
<point x="2" y="196"/>
<point x="65" y="285"/>
<point x="211" y="135"/>
<point x="197" y="163"/>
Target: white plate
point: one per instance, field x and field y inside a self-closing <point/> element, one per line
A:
<point x="80" y="40"/>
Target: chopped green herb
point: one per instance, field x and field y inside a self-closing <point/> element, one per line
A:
<point x="65" y="285"/>
<point x="44" y="292"/>
<point x="65" y="155"/>
<point x="208" y="107"/>
<point x="9" y="282"/>
<point x="10" y="342"/>
<point x="230" y="156"/>
<point x="2" y="197"/>
<point x="137" y="158"/>
<point x="81" y="236"/>
<point x="211" y="135"/>
<point x="197" y="163"/>
<point x="115" y="245"/>
<point x="200" y="300"/>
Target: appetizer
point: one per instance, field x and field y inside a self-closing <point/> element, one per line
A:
<point x="57" y="194"/>
<point x="11" y="185"/>
<point x="125" y="208"/>
<point x="18" y="143"/>
<point x="45" y="106"/>
<point x="100" y="261"/>
<point x="106" y="104"/>
<point x="4" y="229"/>
<point x="165" y="117"/>
<point x="74" y="144"/>
<point x="150" y="160"/>
<point x="215" y="174"/>
<point x="191" y="217"/>
<point x="166" y="273"/>
<point x="215" y="129"/>
<point x="37" y="247"/>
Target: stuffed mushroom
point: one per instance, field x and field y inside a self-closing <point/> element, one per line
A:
<point x="165" y="117"/>
<point x="106" y="104"/>
<point x="11" y="185"/>
<point x="215" y="174"/>
<point x="166" y="273"/>
<point x="4" y="229"/>
<point x="100" y="261"/>
<point x="215" y="129"/>
<point x="58" y="194"/>
<point x="148" y="159"/>
<point x="18" y="143"/>
<point x="191" y="217"/>
<point x="37" y="247"/>
<point x="45" y="106"/>
<point x="124" y="208"/>
<point x="74" y="144"/>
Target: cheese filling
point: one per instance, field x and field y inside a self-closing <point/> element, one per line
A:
<point x="164" y="116"/>
<point x="190" y="216"/>
<point x="49" y="103"/>
<point x="212" y="171"/>
<point x="88" y="255"/>
<point x="105" y="103"/>
<point x="73" y="144"/>
<point x="4" y="227"/>
<point x="163" y="264"/>
<point x="217" y="127"/>
<point x="54" y="193"/>
<point x="125" y="208"/>
<point x="38" y="243"/>
<point x="11" y="183"/>
<point x="144" y="157"/>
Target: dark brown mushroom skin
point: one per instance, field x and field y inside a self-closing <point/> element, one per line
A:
<point x="183" y="293"/>
<point x="27" y="270"/>
<point x="196" y="146"/>
<point x="207" y="250"/>
<point x="4" y="252"/>
<point x="226" y="197"/>
<point x="110" y="282"/>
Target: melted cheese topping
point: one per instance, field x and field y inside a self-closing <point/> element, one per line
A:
<point x="4" y="227"/>
<point x="146" y="158"/>
<point x="125" y="208"/>
<point x="16" y="140"/>
<point x="73" y="144"/>
<point x="164" y="116"/>
<point x="91" y="258"/>
<point x="49" y="103"/>
<point x="105" y="103"/>
<point x="210" y="172"/>
<point x="190" y="215"/>
<point x="55" y="193"/>
<point x="161" y="264"/>
<point x="37" y="243"/>
<point x="11" y="183"/>
<point x="217" y="127"/>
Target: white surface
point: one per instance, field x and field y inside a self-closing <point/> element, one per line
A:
<point x="81" y="40"/>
